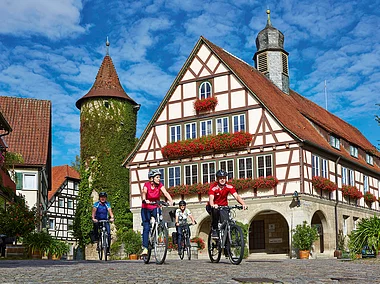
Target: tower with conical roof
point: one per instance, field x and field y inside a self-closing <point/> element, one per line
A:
<point x="271" y="59"/>
<point x="107" y="134"/>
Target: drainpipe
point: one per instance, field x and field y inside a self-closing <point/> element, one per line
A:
<point x="336" y="203"/>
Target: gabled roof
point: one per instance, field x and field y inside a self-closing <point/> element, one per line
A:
<point x="59" y="175"/>
<point x="31" y="123"/>
<point x="107" y="84"/>
<point x="293" y="112"/>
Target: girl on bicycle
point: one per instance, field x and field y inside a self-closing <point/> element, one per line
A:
<point x="150" y="194"/>
<point x="101" y="211"/>
<point x="218" y="194"/>
<point x="181" y="215"/>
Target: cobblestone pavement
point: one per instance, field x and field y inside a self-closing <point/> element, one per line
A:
<point x="194" y="271"/>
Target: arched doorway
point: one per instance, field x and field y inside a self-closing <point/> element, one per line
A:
<point x="316" y="221"/>
<point x="269" y="233"/>
<point x="204" y="228"/>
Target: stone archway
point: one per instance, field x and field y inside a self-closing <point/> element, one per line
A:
<point x="269" y="233"/>
<point x="317" y="221"/>
<point x="204" y="228"/>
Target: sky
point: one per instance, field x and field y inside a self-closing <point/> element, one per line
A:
<point x="52" y="50"/>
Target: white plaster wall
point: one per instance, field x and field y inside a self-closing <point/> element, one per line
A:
<point x="188" y="109"/>
<point x="284" y="137"/>
<point x="221" y="68"/>
<point x="251" y="100"/>
<point x="195" y="65"/>
<point x="176" y="96"/>
<point x="235" y="84"/>
<point x="254" y="116"/>
<point x="269" y="139"/>
<point x="237" y="99"/>
<point x="220" y="84"/>
<point x="162" y="116"/>
<point x="212" y="62"/>
<point x="222" y="102"/>
<point x="189" y="90"/>
<point x="203" y="52"/>
<point x="175" y="111"/>
<point x="188" y="76"/>
<point x="135" y="189"/>
<point x="273" y="123"/>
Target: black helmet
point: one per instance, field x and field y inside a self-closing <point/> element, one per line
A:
<point x="221" y="173"/>
<point x="182" y="203"/>
<point x="103" y="193"/>
<point x="153" y="173"/>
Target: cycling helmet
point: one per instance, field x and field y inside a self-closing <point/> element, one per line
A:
<point x="221" y="173"/>
<point x="182" y="203"/>
<point x="103" y="193"/>
<point x="153" y="173"/>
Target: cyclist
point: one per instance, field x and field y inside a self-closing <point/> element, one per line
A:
<point x="181" y="215"/>
<point x="218" y="194"/>
<point x="151" y="193"/>
<point x="101" y="211"/>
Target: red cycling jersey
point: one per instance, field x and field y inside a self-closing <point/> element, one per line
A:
<point x="220" y="195"/>
<point x="152" y="194"/>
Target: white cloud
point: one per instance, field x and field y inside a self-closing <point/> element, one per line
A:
<point x="52" y="19"/>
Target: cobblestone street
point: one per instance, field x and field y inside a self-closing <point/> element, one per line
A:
<point x="194" y="271"/>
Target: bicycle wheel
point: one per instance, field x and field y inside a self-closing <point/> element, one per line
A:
<point x="161" y="244"/>
<point x="214" y="249"/>
<point x="105" y="245"/>
<point x="146" y="258"/>
<point x="188" y="249"/>
<point x="99" y="248"/>
<point x="182" y="251"/>
<point x="236" y="244"/>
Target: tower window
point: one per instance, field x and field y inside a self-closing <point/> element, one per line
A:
<point x="262" y="60"/>
<point x="205" y="90"/>
<point x="284" y="64"/>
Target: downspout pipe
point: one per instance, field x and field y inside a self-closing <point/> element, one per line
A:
<point x="336" y="204"/>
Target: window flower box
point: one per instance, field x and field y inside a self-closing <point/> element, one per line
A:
<point x="324" y="184"/>
<point x="351" y="191"/>
<point x="213" y="143"/>
<point x="206" y="104"/>
<point x="369" y="197"/>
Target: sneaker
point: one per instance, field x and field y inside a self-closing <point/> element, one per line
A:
<point x="214" y="234"/>
<point x="145" y="251"/>
<point x="108" y="253"/>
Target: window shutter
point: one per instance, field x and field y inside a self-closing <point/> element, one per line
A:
<point x="284" y="64"/>
<point x="19" y="180"/>
<point x="262" y="62"/>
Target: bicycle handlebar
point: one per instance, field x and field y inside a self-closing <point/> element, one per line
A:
<point x="239" y="207"/>
<point x="160" y="202"/>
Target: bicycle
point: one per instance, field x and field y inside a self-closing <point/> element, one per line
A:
<point x="230" y="239"/>
<point x="102" y="244"/>
<point x="158" y="236"/>
<point x="185" y="241"/>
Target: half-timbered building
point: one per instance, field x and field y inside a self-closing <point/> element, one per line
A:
<point x="293" y="140"/>
<point x="62" y="204"/>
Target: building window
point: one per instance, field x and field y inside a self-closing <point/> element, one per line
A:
<point x="19" y="180"/>
<point x="334" y="141"/>
<point x="369" y="159"/>
<point x="353" y="151"/>
<point x="245" y="168"/>
<point x="262" y="62"/>
<point x="208" y="172"/>
<point x="206" y="127"/>
<point x="61" y="202"/>
<point x="228" y="166"/>
<point x="191" y="130"/>
<point x="175" y="133"/>
<point x="70" y="204"/>
<point x="348" y="176"/>
<point x="174" y="176"/>
<point x="264" y="165"/>
<point x="191" y="174"/>
<point x="319" y="166"/>
<point x="70" y="224"/>
<point x="356" y="219"/>
<point x="239" y="122"/>
<point x="345" y="223"/>
<point x="162" y="179"/>
<point x="366" y="186"/>
<point x="51" y="224"/>
<point x="222" y="125"/>
<point x="205" y="90"/>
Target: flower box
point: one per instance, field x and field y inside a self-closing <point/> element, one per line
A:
<point x="206" y="104"/>
<point x="369" y="197"/>
<point x="351" y="191"/>
<point x="324" y="184"/>
<point x="214" y="143"/>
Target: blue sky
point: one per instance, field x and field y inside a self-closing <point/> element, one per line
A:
<point x="52" y="50"/>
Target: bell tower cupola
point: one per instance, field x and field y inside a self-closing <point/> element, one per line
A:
<point x="271" y="59"/>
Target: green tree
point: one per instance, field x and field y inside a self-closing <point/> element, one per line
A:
<point x="76" y="164"/>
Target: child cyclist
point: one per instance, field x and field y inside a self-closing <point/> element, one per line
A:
<point x="181" y="215"/>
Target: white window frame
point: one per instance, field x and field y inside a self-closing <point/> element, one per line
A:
<point x="210" y="175"/>
<point x="228" y="166"/>
<point x="192" y="133"/>
<point x="365" y="183"/>
<point x="52" y="220"/>
<point x="245" y="172"/>
<point x="176" y="179"/>
<point x="175" y="133"/>
<point x="205" y="94"/>
<point x="353" y="151"/>
<point x="369" y="159"/>
<point x="240" y="124"/>
<point x="192" y="177"/>
<point x="222" y="125"/>
<point x="348" y="176"/>
<point x="314" y="165"/>
<point x="206" y="127"/>
<point x="334" y="142"/>
<point x="61" y="199"/>
<point x="345" y="223"/>
<point x="162" y="178"/>
<point x="70" y="201"/>
<point x="355" y="219"/>
<point x="266" y="167"/>
<point x="29" y="184"/>
<point x="70" y="222"/>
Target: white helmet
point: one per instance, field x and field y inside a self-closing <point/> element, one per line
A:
<point x="153" y="173"/>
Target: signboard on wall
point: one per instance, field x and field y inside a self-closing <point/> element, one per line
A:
<point x="275" y="240"/>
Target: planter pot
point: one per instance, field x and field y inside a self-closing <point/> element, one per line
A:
<point x="55" y="257"/>
<point x="338" y="254"/>
<point x="133" y="257"/>
<point x="36" y="254"/>
<point x="304" y="254"/>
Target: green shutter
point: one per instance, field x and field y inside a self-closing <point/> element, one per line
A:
<point x="19" y="178"/>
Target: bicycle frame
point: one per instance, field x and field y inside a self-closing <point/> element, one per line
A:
<point x="103" y="239"/>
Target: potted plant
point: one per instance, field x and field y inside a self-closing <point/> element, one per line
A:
<point x="57" y="249"/>
<point x="38" y="243"/>
<point x="303" y="237"/>
<point x="132" y="243"/>
<point x="341" y="245"/>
